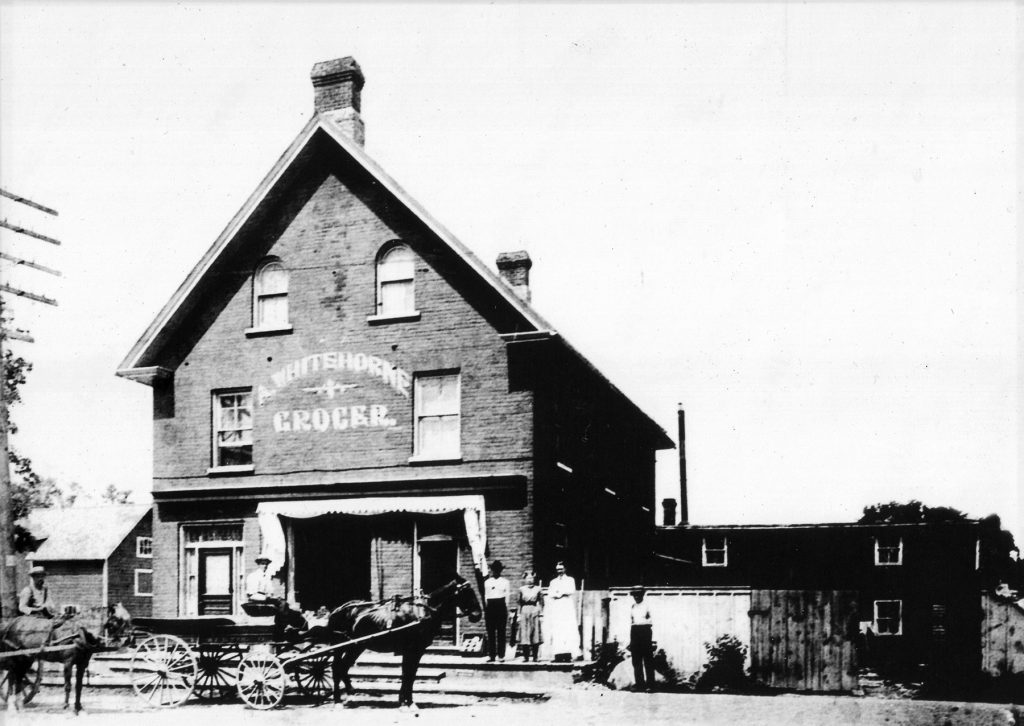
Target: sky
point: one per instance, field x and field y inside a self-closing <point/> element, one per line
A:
<point x="798" y="220"/>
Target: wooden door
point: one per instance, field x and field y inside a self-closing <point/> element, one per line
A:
<point x="216" y="578"/>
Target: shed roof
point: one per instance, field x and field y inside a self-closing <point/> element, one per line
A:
<point x="83" y="533"/>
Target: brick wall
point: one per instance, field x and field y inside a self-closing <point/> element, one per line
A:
<point x="121" y="567"/>
<point x="327" y="223"/>
<point x="167" y="523"/>
<point x="328" y="232"/>
<point x="75" y="583"/>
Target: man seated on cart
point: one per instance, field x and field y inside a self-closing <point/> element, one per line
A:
<point x="260" y="585"/>
<point x="34" y="599"/>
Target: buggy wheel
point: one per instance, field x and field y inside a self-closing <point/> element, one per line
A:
<point x="217" y="671"/>
<point x="261" y="680"/>
<point x="313" y="676"/>
<point x="163" y="670"/>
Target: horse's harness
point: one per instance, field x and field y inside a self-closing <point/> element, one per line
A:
<point x="390" y="606"/>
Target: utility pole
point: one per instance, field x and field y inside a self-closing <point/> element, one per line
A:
<point x="8" y="572"/>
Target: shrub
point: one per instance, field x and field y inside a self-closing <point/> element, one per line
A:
<point x="724" y="668"/>
<point x="604" y="658"/>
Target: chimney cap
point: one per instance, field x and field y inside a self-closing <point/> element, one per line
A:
<point x="509" y="260"/>
<point x="330" y="71"/>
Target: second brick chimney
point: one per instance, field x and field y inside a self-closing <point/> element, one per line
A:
<point x="337" y="85"/>
<point x="514" y="268"/>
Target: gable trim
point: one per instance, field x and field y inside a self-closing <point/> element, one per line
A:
<point x="130" y="367"/>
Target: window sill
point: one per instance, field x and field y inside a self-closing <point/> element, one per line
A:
<point x="402" y="318"/>
<point x="713" y="564"/>
<point x="421" y="459"/>
<point x="888" y="564"/>
<point x="227" y="470"/>
<point x="257" y="332"/>
<point x="143" y="594"/>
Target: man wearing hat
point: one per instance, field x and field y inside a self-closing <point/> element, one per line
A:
<point x="641" y="640"/>
<point x="34" y="599"/>
<point x="259" y="585"/>
<point x="496" y="592"/>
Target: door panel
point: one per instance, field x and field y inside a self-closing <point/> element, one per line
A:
<point x="215" y="581"/>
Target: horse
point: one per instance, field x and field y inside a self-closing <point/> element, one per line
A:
<point x="62" y="640"/>
<point x="405" y="627"/>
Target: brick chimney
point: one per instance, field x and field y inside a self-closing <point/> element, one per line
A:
<point x="668" y="505"/>
<point x="514" y="268"/>
<point x="337" y="85"/>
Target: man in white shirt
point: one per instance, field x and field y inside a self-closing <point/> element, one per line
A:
<point x="496" y="592"/>
<point x="259" y="584"/>
<point x="640" y="640"/>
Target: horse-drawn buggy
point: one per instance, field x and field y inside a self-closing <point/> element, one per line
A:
<point x="209" y="658"/>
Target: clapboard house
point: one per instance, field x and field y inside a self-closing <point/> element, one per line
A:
<point x="339" y="382"/>
<point x="917" y="586"/>
<point x="95" y="556"/>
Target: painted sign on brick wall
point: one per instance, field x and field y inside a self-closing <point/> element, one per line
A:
<point x="343" y="381"/>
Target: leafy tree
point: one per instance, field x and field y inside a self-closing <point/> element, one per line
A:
<point x="116" y="496"/>
<point x="25" y="483"/>
<point x="1000" y="556"/>
<point x="911" y="512"/>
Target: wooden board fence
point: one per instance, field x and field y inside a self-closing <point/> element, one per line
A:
<point x="1002" y="637"/>
<point x="804" y="639"/>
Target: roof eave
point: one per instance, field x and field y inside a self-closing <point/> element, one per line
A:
<point x="166" y="315"/>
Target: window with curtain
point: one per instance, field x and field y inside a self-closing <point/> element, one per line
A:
<point x="232" y="428"/>
<point x="437" y="404"/>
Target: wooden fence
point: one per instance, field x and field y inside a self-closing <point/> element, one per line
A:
<point x="1002" y="637"/>
<point x="804" y="640"/>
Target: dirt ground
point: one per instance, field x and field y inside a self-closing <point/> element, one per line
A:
<point x="570" y="707"/>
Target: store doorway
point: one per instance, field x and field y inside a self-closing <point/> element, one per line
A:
<point x="332" y="560"/>
<point x="215" y="578"/>
<point x="439" y="560"/>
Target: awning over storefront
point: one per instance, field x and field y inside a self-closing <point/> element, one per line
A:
<point x="472" y="506"/>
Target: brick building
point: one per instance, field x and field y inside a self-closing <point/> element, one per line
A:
<point x="96" y="556"/>
<point x="341" y="383"/>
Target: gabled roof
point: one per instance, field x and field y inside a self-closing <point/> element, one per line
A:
<point x="139" y="364"/>
<point x="83" y="533"/>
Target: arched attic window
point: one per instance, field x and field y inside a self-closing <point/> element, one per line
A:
<point x="270" y="295"/>
<point x="396" y="273"/>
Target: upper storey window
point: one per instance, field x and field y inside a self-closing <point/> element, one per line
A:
<point x="396" y="272"/>
<point x="888" y="550"/>
<point x="232" y="429"/>
<point x="270" y="296"/>
<point x="437" y="400"/>
<point x="714" y="551"/>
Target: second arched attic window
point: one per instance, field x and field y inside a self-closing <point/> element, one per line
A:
<point x="396" y="273"/>
<point x="270" y="295"/>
